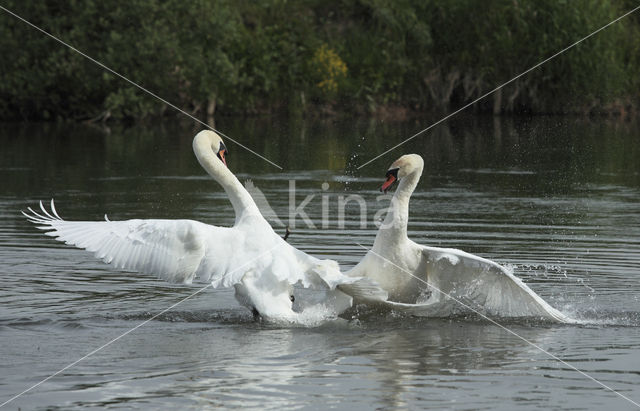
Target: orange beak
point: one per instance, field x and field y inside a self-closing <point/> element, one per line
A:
<point x="221" y="154"/>
<point x="388" y="183"/>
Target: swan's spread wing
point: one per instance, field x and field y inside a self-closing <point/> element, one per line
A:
<point x="483" y="285"/>
<point x="365" y="289"/>
<point x="173" y="250"/>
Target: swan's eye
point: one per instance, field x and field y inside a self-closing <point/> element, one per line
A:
<point x="392" y="177"/>
<point x="292" y="298"/>
<point x="393" y="173"/>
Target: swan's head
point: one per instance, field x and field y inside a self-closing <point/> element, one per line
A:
<point x="208" y="140"/>
<point x="267" y="297"/>
<point x="402" y="167"/>
<point x="272" y="300"/>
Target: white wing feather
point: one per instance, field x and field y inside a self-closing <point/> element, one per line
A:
<point x="181" y="251"/>
<point x="173" y="250"/>
<point x="483" y="285"/>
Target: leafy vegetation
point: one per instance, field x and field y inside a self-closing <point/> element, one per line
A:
<point x="354" y="56"/>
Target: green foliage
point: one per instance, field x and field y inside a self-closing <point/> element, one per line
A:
<point x="511" y="37"/>
<point x="352" y="55"/>
<point x="329" y="69"/>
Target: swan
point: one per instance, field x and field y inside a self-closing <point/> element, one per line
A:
<point x="250" y="255"/>
<point x="433" y="281"/>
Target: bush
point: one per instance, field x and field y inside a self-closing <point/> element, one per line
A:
<point x="349" y="55"/>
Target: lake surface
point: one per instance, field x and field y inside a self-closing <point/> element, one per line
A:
<point x="556" y="199"/>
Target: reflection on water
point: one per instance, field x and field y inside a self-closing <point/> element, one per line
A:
<point x="554" y="198"/>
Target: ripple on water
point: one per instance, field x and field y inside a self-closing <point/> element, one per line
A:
<point x="573" y="237"/>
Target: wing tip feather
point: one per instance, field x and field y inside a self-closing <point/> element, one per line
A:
<point x="43" y="217"/>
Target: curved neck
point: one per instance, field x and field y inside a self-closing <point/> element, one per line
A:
<point x="394" y="228"/>
<point x="243" y="204"/>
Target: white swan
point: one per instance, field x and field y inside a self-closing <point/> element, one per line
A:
<point x="416" y="277"/>
<point x="250" y="255"/>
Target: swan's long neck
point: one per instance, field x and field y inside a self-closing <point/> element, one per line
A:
<point x="243" y="204"/>
<point x="394" y="228"/>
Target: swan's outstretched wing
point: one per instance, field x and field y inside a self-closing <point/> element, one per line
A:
<point x="483" y="285"/>
<point x="365" y="289"/>
<point x="174" y="250"/>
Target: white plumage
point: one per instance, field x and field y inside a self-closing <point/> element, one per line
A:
<point x="250" y="255"/>
<point x="431" y="281"/>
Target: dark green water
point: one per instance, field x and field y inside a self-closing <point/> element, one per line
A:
<point x="555" y="198"/>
